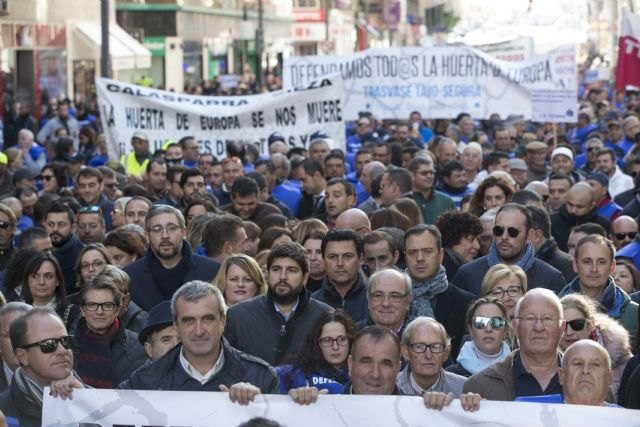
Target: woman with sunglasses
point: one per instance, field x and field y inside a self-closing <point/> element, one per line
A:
<point x="55" y="179"/>
<point x="239" y="279"/>
<point x="43" y="286"/>
<point x="508" y="283"/>
<point x="489" y="326"/>
<point x="321" y="360"/>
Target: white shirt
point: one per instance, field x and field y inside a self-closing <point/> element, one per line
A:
<point x="195" y="374"/>
<point x="619" y="183"/>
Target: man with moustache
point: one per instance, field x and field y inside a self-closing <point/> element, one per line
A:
<point x="273" y="325"/>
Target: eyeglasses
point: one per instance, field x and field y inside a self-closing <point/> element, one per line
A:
<point x="394" y="297"/>
<point x="621" y="236"/>
<point x="481" y="322"/>
<point x="51" y="344"/>
<point x="5" y="224"/>
<point x="47" y="177"/>
<point x="546" y="320"/>
<point x="105" y="306"/>
<point x="170" y="229"/>
<point x="341" y="340"/>
<point x="512" y="291"/>
<point x="90" y="209"/>
<point x="590" y="149"/>
<point x="97" y="264"/>
<point x="421" y="347"/>
<point x="498" y="231"/>
<point x="577" y="324"/>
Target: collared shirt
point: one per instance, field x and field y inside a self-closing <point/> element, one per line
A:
<point x="291" y="313"/>
<point x="528" y="385"/>
<point x="195" y="374"/>
<point x="8" y="373"/>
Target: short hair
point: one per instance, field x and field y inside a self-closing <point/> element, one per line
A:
<point x="455" y="225"/>
<point x="89" y="172"/>
<point x="194" y="291"/>
<point x="349" y="189"/>
<point x="524" y="196"/>
<point x="561" y="177"/>
<point x="516" y="207"/>
<point x="189" y="173"/>
<point x="183" y="141"/>
<point x="408" y="284"/>
<point x="141" y="198"/>
<point x="606" y="150"/>
<point x="106" y="172"/>
<point x="420" y="229"/>
<point x="499" y="272"/>
<point x="540" y="220"/>
<point x="270" y="235"/>
<point x="603" y="351"/>
<point x="173" y="171"/>
<point x="127" y="241"/>
<point x="221" y="229"/>
<point x="286" y="163"/>
<point x="14" y="307"/>
<point x="117" y="276"/>
<point x="423" y="321"/>
<point x="400" y="177"/>
<point x="244" y="186"/>
<point x="257" y="177"/>
<point x="342" y="235"/>
<point x="160" y="210"/>
<point x="60" y="207"/>
<point x="205" y="202"/>
<point x="292" y="250"/>
<point x="598" y="240"/>
<point x="379" y="236"/>
<point x="20" y="326"/>
<point x="377" y="334"/>
<point x="590" y="228"/>
<point x="550" y="295"/>
<point x="334" y="155"/>
<point x="451" y="167"/>
<point x="416" y="162"/>
<point x="311" y="166"/>
<point x="101" y="283"/>
<point x="160" y="162"/>
<point x="493" y="159"/>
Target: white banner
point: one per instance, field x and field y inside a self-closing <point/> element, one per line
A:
<point x="441" y="82"/>
<point x="167" y="408"/>
<point x="295" y="113"/>
<point x="520" y="49"/>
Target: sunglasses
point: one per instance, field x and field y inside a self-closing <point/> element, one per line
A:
<point x="577" y="324"/>
<point x="51" y="344"/>
<point x="621" y="236"/>
<point x="47" y="177"/>
<point x="481" y="322"/>
<point x="5" y="224"/>
<point x="590" y="149"/>
<point x="498" y="231"/>
<point x="90" y="209"/>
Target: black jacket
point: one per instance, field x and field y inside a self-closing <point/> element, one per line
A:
<point x="305" y="208"/>
<point x="167" y="373"/>
<point x="135" y="318"/>
<point x="146" y="293"/>
<point x="254" y="326"/>
<point x="562" y="222"/>
<point x="13" y="403"/>
<point x="67" y="255"/>
<point x="354" y="302"/>
<point x="106" y="206"/>
<point x="561" y="261"/>
<point x="452" y="262"/>
<point x="540" y="275"/>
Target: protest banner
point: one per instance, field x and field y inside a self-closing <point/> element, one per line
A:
<point x="181" y="408"/>
<point x="518" y="49"/>
<point x="628" y="68"/>
<point x="296" y="113"/>
<point x="442" y="82"/>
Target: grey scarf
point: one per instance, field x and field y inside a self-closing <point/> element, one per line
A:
<point x="424" y="292"/>
<point x="30" y="391"/>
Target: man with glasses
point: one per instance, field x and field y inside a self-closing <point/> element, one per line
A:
<point x="274" y="325"/>
<point x="90" y="185"/>
<point x="426" y="346"/>
<point x="91" y="225"/>
<point x="389" y="297"/>
<point x="431" y="202"/>
<point x="169" y="261"/>
<point x="60" y="223"/>
<point x="623" y="231"/>
<point x="586" y="162"/>
<point x="532" y="369"/>
<point x="42" y="347"/>
<point x="511" y="245"/>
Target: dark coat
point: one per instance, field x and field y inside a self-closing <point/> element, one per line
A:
<point x="562" y="222"/>
<point x="561" y="261"/>
<point x="167" y="373"/>
<point x="135" y="318"/>
<point x="354" y="302"/>
<point x="67" y="255"/>
<point x="106" y="206"/>
<point x="146" y="293"/>
<point x="305" y="208"/>
<point x="540" y="275"/>
<point x="254" y="326"/>
<point x="14" y="404"/>
<point x="452" y="263"/>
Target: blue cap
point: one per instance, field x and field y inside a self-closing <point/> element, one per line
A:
<point x="275" y="137"/>
<point x="319" y="134"/>
<point x="599" y="177"/>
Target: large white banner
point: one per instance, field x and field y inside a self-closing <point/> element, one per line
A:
<point x="295" y="113"/>
<point x="166" y="408"/>
<point x="441" y="82"/>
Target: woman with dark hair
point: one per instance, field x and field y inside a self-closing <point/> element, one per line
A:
<point x="491" y="193"/>
<point x="409" y="208"/>
<point x="627" y="277"/>
<point x="321" y="360"/>
<point x="387" y="217"/>
<point x="124" y="246"/>
<point x="92" y="260"/>
<point x="87" y="142"/>
<point x="55" y="179"/>
<point x="14" y="274"/>
<point x="43" y="286"/>
<point x="198" y="207"/>
<point x="272" y="236"/>
<point x="460" y="231"/>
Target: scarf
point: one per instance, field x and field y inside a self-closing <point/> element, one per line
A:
<point x="547" y="248"/>
<point x="612" y="298"/>
<point x="30" y="392"/>
<point x="470" y="361"/>
<point x="95" y="365"/>
<point x="525" y="261"/>
<point x="424" y="292"/>
<point x="167" y="280"/>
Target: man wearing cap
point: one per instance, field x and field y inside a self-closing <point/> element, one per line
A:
<point x="619" y="182"/>
<point x="562" y="163"/>
<point x="135" y="163"/>
<point x="160" y="334"/>
<point x="536" y="159"/>
<point x="606" y="207"/>
<point x="586" y="162"/>
<point x="518" y="171"/>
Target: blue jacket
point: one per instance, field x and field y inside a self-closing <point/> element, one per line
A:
<point x="291" y="378"/>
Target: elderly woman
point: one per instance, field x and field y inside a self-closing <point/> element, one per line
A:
<point x="239" y="279"/>
<point x="508" y="283"/>
<point x="460" y="231"/>
<point x="105" y="353"/>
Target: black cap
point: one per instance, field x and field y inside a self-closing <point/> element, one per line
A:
<point x="159" y="317"/>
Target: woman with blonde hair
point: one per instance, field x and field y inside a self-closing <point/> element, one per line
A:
<point x="508" y="283"/>
<point x="306" y="227"/>
<point x="239" y="279"/>
<point x="409" y="208"/>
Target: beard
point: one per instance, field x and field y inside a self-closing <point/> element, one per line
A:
<point x="284" y="298"/>
<point x="166" y="252"/>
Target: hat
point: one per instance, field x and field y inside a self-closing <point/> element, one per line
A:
<point x="536" y="145"/>
<point x="4" y="160"/>
<point x="318" y="135"/>
<point x="517" y="164"/>
<point x="599" y="177"/>
<point x="159" y="317"/>
<point x="140" y="135"/>
<point x="275" y="137"/>
<point x="23" y="173"/>
<point x="612" y="115"/>
<point x="562" y="150"/>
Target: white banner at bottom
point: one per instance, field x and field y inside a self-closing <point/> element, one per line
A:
<point x="195" y="409"/>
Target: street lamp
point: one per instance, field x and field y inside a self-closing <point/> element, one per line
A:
<point x="259" y="46"/>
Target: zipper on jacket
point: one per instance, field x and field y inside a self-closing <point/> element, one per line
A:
<point x="283" y="329"/>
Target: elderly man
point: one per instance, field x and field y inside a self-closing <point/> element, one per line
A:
<point x="389" y="297"/>
<point x="586" y="374"/>
<point x="356" y="220"/>
<point x="623" y="230"/>
<point x="532" y="369"/>
<point x="426" y="346"/>
<point x="204" y="361"/>
<point x="159" y="334"/>
<point x="8" y="314"/>
<point x="594" y="262"/>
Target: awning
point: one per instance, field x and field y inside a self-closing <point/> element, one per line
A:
<point x="126" y="52"/>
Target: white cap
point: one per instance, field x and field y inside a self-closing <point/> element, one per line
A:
<point x="562" y="150"/>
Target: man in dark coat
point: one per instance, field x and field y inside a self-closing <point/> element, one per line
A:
<point x="60" y="224"/>
<point x="274" y="325"/>
<point x="169" y="261"/>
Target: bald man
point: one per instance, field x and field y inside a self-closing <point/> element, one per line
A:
<point x="586" y="374"/>
<point x="539" y="187"/>
<point x="623" y="230"/>
<point x="356" y="220"/>
<point x="579" y="208"/>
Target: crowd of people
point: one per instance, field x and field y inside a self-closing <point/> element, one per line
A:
<point x="472" y="259"/>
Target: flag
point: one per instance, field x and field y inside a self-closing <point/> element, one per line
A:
<point x="628" y="69"/>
